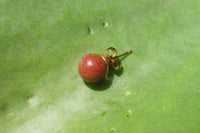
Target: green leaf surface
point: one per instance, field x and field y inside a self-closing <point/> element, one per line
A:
<point x="42" y="41"/>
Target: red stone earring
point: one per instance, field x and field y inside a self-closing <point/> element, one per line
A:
<point x="94" y="67"/>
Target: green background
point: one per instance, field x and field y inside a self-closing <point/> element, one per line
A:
<point x="42" y="41"/>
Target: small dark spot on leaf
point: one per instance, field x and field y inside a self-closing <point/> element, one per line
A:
<point x="127" y="115"/>
<point x="105" y="24"/>
<point x="28" y="97"/>
<point x="90" y="30"/>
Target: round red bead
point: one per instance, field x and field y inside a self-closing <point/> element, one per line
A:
<point x="92" y="67"/>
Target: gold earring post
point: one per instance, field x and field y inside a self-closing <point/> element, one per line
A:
<point x="128" y="52"/>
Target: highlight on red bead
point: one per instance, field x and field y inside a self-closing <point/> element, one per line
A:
<point x="92" y="67"/>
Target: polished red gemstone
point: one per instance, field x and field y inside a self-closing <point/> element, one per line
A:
<point x="92" y="67"/>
